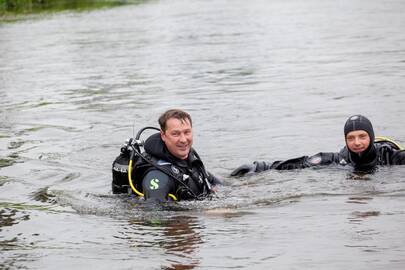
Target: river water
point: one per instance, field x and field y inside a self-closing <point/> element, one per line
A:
<point x="263" y="80"/>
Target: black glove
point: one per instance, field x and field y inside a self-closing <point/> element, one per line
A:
<point x="244" y="169"/>
<point x="257" y="166"/>
<point x="297" y="163"/>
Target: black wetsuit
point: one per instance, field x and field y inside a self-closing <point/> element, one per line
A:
<point x="379" y="153"/>
<point x="162" y="173"/>
<point x="383" y="152"/>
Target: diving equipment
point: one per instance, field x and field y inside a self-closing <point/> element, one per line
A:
<point x="138" y="157"/>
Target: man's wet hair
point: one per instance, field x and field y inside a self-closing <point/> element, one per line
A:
<point x="173" y="113"/>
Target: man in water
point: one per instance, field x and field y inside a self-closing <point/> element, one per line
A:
<point x="171" y="168"/>
<point x="361" y="152"/>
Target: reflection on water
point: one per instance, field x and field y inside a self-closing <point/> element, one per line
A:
<point x="4" y="162"/>
<point x="10" y="217"/>
<point x="42" y="195"/>
<point x="360" y="200"/>
<point x="177" y="236"/>
<point x="366" y="214"/>
<point x="362" y="176"/>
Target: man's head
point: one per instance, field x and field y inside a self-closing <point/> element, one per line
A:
<point x="359" y="134"/>
<point x="176" y="132"/>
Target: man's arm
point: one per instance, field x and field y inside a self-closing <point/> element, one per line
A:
<point x="157" y="185"/>
<point x="323" y="158"/>
<point x="214" y="180"/>
<point x="256" y="166"/>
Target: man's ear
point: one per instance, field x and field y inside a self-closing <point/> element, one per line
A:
<point x="162" y="135"/>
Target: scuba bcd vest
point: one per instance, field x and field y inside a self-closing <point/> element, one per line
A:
<point x="131" y="165"/>
<point x="394" y="144"/>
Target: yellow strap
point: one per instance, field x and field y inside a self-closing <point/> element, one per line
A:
<point x="130" y="179"/>
<point x="133" y="187"/>
<point x="381" y="139"/>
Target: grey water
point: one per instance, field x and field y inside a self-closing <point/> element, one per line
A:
<point x="262" y="79"/>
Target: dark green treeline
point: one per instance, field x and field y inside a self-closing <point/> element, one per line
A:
<point x="21" y="7"/>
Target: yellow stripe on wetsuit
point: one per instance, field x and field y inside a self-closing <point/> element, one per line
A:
<point x="386" y="139"/>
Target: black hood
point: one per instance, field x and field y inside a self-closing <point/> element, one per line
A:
<point x="366" y="160"/>
<point x="359" y="122"/>
<point x="155" y="146"/>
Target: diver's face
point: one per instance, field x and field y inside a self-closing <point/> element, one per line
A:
<point x="178" y="137"/>
<point x="357" y="141"/>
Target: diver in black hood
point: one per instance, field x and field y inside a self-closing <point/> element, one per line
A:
<point x="359" y="134"/>
<point x="169" y="168"/>
<point x="363" y="151"/>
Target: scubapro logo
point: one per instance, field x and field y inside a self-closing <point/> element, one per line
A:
<point x="154" y="184"/>
<point x="120" y="169"/>
<point x="174" y="169"/>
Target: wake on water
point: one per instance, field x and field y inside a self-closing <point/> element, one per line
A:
<point x="268" y="189"/>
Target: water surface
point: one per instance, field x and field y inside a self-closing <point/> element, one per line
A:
<point x="263" y="80"/>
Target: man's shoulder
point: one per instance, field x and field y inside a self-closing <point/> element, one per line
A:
<point x="154" y="161"/>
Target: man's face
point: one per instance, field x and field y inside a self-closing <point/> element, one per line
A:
<point x="178" y="137"/>
<point x="357" y="141"/>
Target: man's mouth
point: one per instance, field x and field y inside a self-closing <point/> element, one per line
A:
<point x="182" y="147"/>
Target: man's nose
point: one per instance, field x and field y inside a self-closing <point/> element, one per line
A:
<point x="183" y="138"/>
